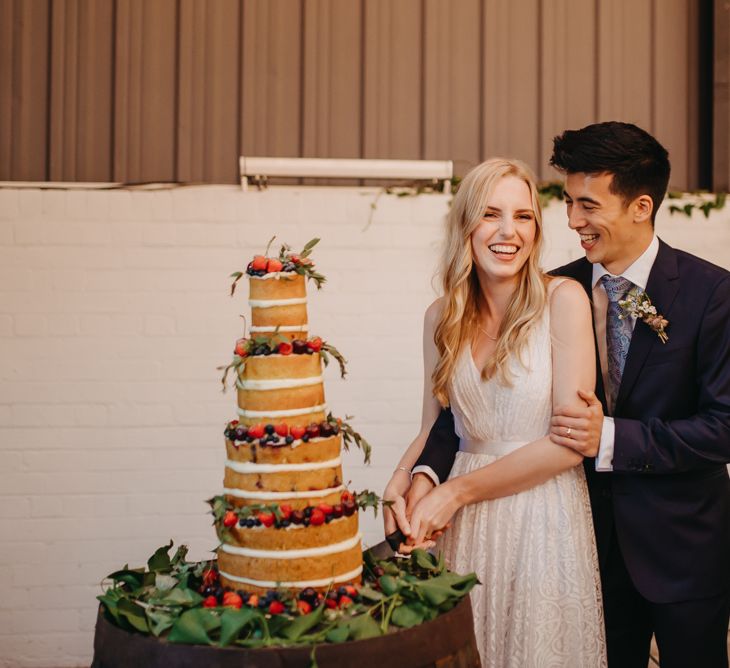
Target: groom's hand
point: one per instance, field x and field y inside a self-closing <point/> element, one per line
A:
<point x="579" y="428"/>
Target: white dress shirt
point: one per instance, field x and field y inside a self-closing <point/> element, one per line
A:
<point x="638" y="274"/>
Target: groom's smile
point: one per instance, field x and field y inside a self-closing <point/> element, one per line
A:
<point x="588" y="240"/>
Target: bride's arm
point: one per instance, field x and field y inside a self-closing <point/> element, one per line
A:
<point x="574" y="366"/>
<point x="400" y="481"/>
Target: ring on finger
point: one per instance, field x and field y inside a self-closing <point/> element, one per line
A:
<point x="568" y="431"/>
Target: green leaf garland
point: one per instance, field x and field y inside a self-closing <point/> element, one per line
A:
<point x="327" y="350"/>
<point x="160" y="562"/>
<point x="406" y="593"/>
<point x="351" y="437"/>
<point x="194" y="627"/>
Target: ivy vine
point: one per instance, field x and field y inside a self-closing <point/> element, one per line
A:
<point x="699" y="200"/>
<point x="686" y="202"/>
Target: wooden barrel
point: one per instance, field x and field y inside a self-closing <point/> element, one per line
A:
<point x="445" y="642"/>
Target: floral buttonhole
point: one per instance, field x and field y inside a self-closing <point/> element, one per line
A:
<point x="638" y="305"/>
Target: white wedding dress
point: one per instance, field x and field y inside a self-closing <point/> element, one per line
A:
<point x="539" y="603"/>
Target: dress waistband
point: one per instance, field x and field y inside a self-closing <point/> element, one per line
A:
<point x="487" y="447"/>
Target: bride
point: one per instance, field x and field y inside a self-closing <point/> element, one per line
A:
<point x="503" y="347"/>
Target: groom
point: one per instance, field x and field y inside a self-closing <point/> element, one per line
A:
<point x="655" y="464"/>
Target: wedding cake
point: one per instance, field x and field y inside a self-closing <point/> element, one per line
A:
<point x="288" y="578"/>
<point x="285" y="518"/>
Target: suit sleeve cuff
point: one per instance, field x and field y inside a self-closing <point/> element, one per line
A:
<point x="604" y="459"/>
<point x="428" y="471"/>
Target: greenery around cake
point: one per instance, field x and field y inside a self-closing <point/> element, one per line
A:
<point x="167" y="600"/>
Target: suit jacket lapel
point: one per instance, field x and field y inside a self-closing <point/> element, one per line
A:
<point x="584" y="275"/>
<point x="661" y="288"/>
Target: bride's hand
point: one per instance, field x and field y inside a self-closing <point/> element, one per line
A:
<point x="394" y="516"/>
<point x="434" y="511"/>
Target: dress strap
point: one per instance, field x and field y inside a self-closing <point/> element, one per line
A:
<point x="554" y="284"/>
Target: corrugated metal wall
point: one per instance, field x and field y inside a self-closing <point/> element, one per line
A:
<point x="176" y="90"/>
<point x="720" y="118"/>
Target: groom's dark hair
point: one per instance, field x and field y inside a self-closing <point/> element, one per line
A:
<point x="638" y="162"/>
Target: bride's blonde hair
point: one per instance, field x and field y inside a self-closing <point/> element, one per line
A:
<point x="459" y="319"/>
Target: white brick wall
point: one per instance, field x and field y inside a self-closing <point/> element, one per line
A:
<point x="114" y="313"/>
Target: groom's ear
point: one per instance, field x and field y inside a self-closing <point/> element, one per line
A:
<point x="643" y="207"/>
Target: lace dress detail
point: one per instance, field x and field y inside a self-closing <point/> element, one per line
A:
<point x="539" y="603"/>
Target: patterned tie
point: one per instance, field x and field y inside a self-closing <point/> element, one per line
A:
<point x="618" y="333"/>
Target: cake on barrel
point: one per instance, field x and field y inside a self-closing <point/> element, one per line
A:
<point x="285" y="518"/>
<point x="289" y="565"/>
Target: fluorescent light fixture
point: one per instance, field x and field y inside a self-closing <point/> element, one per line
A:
<point x="260" y="168"/>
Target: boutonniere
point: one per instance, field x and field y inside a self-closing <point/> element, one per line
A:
<point x="638" y="305"/>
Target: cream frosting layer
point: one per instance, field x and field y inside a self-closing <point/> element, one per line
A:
<point x="277" y="383"/>
<point x="280" y="328"/>
<point x="271" y="584"/>
<point x="276" y="275"/>
<point x="269" y="303"/>
<point x="250" y="467"/>
<point x="293" y="554"/>
<point x="292" y="412"/>
<point x="276" y="496"/>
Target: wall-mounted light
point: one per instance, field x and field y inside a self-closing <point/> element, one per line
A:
<point x="260" y="168"/>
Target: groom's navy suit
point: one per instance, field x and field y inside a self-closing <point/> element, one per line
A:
<point x="662" y="516"/>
